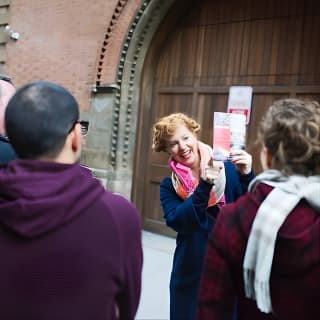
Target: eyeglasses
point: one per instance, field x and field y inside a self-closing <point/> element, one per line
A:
<point x="5" y="78"/>
<point x="84" y="126"/>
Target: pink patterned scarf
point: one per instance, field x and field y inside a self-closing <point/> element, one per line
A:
<point x="184" y="184"/>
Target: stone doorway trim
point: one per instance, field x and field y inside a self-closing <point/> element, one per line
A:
<point x="125" y="93"/>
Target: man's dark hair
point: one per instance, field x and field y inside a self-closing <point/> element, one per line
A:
<point x="38" y="119"/>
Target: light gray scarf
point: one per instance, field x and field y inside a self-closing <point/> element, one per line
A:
<point x="273" y="211"/>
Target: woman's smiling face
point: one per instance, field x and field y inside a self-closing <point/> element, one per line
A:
<point x="183" y="147"/>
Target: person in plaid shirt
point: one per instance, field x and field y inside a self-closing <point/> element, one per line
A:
<point x="265" y="248"/>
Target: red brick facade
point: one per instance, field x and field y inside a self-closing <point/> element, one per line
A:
<point x="62" y="41"/>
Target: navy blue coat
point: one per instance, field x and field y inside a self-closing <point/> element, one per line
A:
<point x="193" y="222"/>
<point x="6" y="151"/>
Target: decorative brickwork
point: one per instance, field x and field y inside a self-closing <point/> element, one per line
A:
<point x="128" y="111"/>
<point x="127" y="79"/>
<point x="59" y="42"/>
<point x="120" y="5"/>
<point x="126" y="91"/>
<point x="136" y="51"/>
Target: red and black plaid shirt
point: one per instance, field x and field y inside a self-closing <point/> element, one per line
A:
<point x="295" y="275"/>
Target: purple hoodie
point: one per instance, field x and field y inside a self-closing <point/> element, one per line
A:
<point x="69" y="249"/>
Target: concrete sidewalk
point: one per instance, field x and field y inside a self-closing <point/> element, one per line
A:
<point x="154" y="301"/>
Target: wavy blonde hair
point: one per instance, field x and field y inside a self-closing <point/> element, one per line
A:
<point x="290" y="130"/>
<point x="165" y="127"/>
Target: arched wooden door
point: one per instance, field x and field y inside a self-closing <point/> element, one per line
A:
<point x="199" y="52"/>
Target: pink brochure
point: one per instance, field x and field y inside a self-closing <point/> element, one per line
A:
<point x="229" y="131"/>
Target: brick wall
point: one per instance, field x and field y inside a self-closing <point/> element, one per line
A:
<point x="60" y="41"/>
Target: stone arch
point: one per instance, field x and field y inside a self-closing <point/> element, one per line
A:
<point x="122" y="97"/>
<point x="108" y="34"/>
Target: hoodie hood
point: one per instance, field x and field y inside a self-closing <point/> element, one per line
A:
<point x="37" y="197"/>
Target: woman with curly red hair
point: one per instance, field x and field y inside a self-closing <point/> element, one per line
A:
<point x="191" y="200"/>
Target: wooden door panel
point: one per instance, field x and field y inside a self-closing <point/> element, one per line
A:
<point x="272" y="46"/>
<point x="309" y="96"/>
<point x="310" y="48"/>
<point x="172" y="70"/>
<point x="152" y="211"/>
<point x="208" y="104"/>
<point x="260" y="104"/>
<point x="219" y="66"/>
<point x="172" y="102"/>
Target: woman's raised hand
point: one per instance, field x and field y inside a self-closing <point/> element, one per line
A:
<point x="212" y="171"/>
<point x="242" y="160"/>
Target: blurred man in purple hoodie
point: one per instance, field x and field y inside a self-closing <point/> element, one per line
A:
<point x="68" y="248"/>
